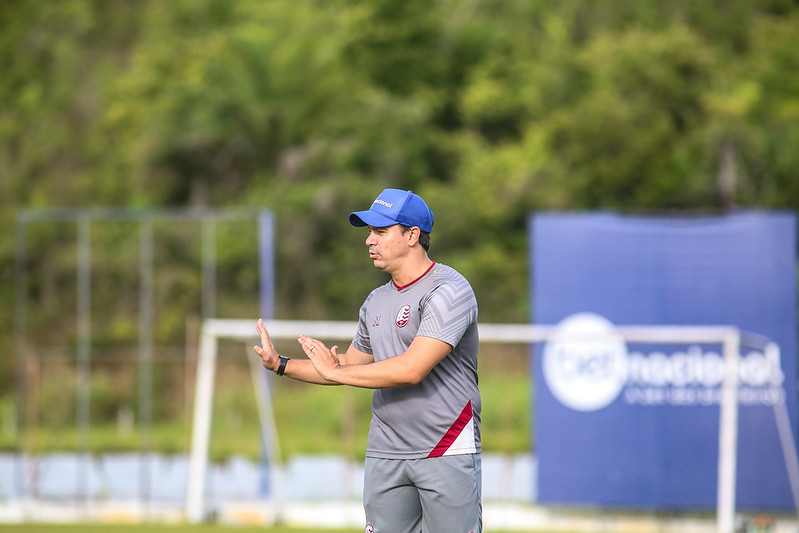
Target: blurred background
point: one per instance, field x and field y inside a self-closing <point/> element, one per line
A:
<point x="186" y="111"/>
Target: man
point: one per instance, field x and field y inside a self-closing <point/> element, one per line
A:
<point x="416" y="346"/>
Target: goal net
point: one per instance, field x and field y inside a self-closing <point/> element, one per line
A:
<point x="730" y="339"/>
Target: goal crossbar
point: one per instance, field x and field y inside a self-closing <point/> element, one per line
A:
<point x="730" y="338"/>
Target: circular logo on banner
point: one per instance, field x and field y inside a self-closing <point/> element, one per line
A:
<point x="585" y="362"/>
<point x="403" y="315"/>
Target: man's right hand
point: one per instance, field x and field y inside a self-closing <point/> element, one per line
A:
<point x="266" y="350"/>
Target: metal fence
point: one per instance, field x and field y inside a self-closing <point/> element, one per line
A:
<point x="98" y="287"/>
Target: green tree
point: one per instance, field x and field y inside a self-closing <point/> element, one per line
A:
<point x="489" y="109"/>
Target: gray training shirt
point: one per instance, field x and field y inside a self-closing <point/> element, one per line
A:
<point x="440" y="415"/>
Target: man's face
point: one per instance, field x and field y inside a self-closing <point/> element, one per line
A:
<point x="387" y="246"/>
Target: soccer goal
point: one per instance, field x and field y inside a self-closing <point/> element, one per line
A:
<point x="730" y="339"/>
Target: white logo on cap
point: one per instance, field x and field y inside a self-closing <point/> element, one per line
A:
<point x="382" y="202"/>
<point x="585" y="362"/>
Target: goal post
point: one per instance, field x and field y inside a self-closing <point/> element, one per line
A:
<point x="731" y="339"/>
<point x="212" y="331"/>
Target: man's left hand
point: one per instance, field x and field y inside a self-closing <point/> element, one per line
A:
<point x="324" y="360"/>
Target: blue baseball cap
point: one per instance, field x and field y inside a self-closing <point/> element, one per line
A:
<point x="394" y="206"/>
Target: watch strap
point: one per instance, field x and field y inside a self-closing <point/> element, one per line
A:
<point x="282" y="366"/>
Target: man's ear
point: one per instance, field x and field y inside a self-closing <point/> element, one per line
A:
<point x="413" y="235"/>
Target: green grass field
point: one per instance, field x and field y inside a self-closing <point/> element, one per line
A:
<point x="157" y="528"/>
<point x="151" y="528"/>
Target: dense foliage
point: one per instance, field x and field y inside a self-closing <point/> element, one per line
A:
<point x="489" y="109"/>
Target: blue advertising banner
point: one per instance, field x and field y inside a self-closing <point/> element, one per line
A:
<point x="637" y="425"/>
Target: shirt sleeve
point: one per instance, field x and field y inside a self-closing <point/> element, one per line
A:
<point x="362" y="341"/>
<point x="448" y="312"/>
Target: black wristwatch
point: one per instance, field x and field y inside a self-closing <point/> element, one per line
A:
<point x="282" y="367"/>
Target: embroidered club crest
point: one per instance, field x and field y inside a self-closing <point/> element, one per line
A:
<point x="403" y="315"/>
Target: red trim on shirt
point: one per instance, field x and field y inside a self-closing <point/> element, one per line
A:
<point x="453" y="432"/>
<point x="414" y="281"/>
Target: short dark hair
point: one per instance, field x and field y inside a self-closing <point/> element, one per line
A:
<point x="424" y="237"/>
